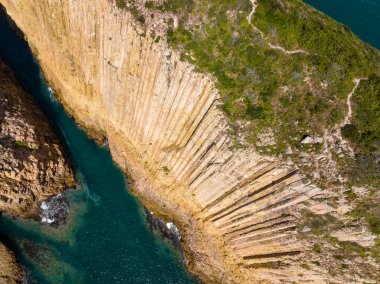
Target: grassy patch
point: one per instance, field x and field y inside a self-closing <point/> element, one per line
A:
<point x="318" y="224"/>
<point x="305" y="266"/>
<point x="176" y="6"/>
<point x="166" y="170"/>
<point x="21" y="144"/>
<point x="121" y="4"/>
<point x="267" y="86"/>
<point x="295" y="95"/>
<point x="370" y="212"/>
<point x="317" y="248"/>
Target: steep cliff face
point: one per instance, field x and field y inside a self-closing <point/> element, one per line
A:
<point x="240" y="212"/>
<point x="32" y="164"/>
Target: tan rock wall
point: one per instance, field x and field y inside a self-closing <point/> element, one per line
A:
<point x="236" y="209"/>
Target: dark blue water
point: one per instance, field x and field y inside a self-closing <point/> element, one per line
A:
<point x="106" y="238"/>
<point x="362" y="16"/>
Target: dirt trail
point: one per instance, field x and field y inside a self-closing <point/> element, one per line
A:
<point x="273" y="46"/>
<point x="347" y="118"/>
<point x="334" y="137"/>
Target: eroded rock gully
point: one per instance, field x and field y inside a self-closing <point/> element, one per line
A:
<point x="238" y="211"/>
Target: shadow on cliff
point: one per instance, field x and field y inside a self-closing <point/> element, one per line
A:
<point x="16" y="53"/>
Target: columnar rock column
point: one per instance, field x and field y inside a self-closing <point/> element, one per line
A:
<point x="236" y="209"/>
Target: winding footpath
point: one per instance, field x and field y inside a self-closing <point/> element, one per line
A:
<point x="347" y="118"/>
<point x="266" y="38"/>
<point x="334" y="136"/>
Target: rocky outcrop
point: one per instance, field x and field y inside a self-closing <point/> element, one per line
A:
<point x="10" y="273"/>
<point x="32" y="164"/>
<point x="238" y="211"/>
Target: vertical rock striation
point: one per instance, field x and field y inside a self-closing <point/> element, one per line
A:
<point x="236" y="209"/>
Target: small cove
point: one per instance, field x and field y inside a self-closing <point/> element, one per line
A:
<point x="106" y="238"/>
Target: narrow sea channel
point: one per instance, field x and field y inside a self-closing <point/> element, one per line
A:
<point x="106" y="238"/>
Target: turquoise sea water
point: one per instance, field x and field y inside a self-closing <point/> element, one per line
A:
<point x="106" y="239"/>
<point x="362" y="16"/>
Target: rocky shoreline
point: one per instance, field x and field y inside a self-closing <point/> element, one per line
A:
<point x="168" y="230"/>
<point x="10" y="272"/>
<point x="33" y="166"/>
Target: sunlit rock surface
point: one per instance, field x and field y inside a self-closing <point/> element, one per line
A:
<point x="238" y="211"/>
<point x="32" y="163"/>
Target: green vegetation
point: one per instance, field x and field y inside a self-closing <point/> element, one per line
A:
<point x="166" y="170"/>
<point x="173" y="6"/>
<point x="121" y="4"/>
<point x="350" y="132"/>
<point x="317" y="248"/>
<point x="349" y="249"/>
<point x="369" y="211"/>
<point x="367" y="112"/>
<point x="176" y="6"/>
<point x="7" y="145"/>
<point x="305" y="266"/>
<point x="364" y="133"/>
<point x="267" y="86"/>
<point x="294" y="94"/>
<point x="320" y="227"/>
<point x="141" y="19"/>
<point x="21" y="144"/>
<point x="149" y="4"/>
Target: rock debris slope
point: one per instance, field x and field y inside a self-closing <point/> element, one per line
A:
<point x="238" y="210"/>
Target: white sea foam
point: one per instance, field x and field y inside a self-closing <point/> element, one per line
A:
<point x="51" y="94"/>
<point x="54" y="210"/>
<point x="44" y="206"/>
<point x="173" y="228"/>
<point x="47" y="220"/>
